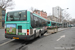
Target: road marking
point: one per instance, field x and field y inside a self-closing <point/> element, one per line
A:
<point x="63" y="36"/>
<point x="6" y="42"/>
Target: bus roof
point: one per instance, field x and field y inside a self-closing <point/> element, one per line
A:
<point x="17" y="11"/>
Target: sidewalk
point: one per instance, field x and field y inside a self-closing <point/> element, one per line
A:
<point x="59" y="29"/>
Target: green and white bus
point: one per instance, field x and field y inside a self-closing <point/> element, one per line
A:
<point x="59" y="24"/>
<point x="51" y="24"/>
<point x="24" y="25"/>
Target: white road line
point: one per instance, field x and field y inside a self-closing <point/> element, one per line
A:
<point x="63" y="36"/>
<point x="6" y="42"/>
<point x="58" y="39"/>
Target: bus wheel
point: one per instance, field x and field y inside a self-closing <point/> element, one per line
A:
<point x="42" y="34"/>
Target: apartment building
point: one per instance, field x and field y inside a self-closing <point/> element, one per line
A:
<point x="41" y="13"/>
<point x="2" y="17"/>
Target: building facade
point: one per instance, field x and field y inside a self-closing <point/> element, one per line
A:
<point x="51" y="18"/>
<point x="41" y="13"/>
<point x="57" y="12"/>
<point x="2" y="17"/>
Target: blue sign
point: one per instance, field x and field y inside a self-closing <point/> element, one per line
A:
<point x="11" y="25"/>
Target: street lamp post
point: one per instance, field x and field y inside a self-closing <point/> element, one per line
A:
<point x="65" y="15"/>
<point x="60" y="14"/>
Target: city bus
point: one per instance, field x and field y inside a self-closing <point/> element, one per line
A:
<point x="52" y="27"/>
<point x="59" y="24"/>
<point x="51" y="24"/>
<point x="24" y="25"/>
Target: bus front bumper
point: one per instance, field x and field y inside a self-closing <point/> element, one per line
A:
<point x="23" y="37"/>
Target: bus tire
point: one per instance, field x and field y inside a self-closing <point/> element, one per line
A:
<point x="42" y="34"/>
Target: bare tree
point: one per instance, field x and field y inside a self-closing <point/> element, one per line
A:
<point x="66" y="16"/>
<point x="6" y="4"/>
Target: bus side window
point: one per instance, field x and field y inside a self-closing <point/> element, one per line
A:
<point x="35" y="21"/>
<point x="32" y="23"/>
<point x="40" y="23"/>
<point x="48" y="22"/>
<point x="45" y="23"/>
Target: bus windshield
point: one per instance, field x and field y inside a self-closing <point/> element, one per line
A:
<point x="17" y="16"/>
<point x="48" y="22"/>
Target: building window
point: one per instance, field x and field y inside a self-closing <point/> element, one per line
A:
<point x="3" y="17"/>
<point x="3" y="12"/>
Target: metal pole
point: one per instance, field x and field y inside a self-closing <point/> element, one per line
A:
<point x="53" y="13"/>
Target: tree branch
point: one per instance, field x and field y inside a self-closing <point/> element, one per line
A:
<point x="6" y="3"/>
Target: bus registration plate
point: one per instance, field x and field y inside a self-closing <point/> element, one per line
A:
<point x="15" y="38"/>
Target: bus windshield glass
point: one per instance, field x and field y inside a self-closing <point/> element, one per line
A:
<point x="48" y="22"/>
<point x="17" y="16"/>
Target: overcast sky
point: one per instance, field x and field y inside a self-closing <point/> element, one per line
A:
<point x="45" y="5"/>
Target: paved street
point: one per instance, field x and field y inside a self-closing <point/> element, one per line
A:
<point x="63" y="40"/>
<point x="2" y="35"/>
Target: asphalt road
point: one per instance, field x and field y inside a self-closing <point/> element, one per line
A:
<point x="2" y="34"/>
<point x="63" y="40"/>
